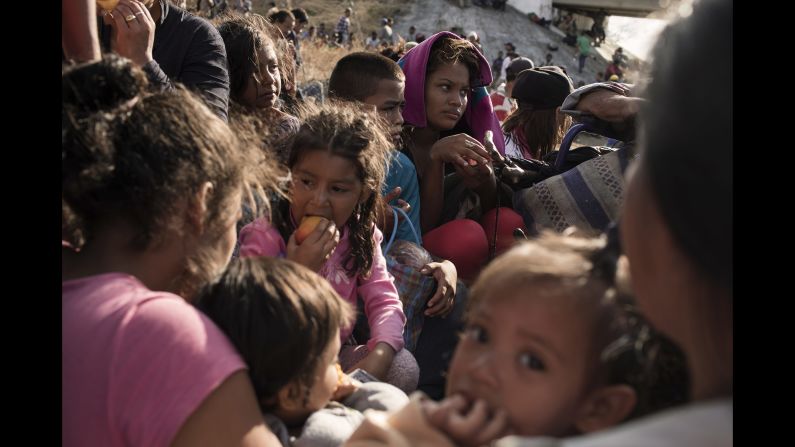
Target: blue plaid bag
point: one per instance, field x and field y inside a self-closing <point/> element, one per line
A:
<point x="587" y="196"/>
<point x="404" y="261"/>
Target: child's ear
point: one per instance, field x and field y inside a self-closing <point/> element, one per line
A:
<point x="290" y="397"/>
<point x="605" y="407"/>
<point x="197" y="207"/>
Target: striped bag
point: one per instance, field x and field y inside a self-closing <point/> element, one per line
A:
<point x="588" y="196"/>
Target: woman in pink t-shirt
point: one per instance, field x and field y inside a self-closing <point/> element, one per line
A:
<point x="152" y="185"/>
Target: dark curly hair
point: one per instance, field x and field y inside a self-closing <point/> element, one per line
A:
<point x="449" y="50"/>
<point x="140" y="158"/>
<point x="243" y="37"/>
<point x="350" y="132"/>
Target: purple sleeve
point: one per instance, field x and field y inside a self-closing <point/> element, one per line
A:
<point x="260" y="238"/>
<point x="381" y="302"/>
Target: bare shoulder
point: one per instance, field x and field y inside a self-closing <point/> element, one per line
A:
<point x="229" y="416"/>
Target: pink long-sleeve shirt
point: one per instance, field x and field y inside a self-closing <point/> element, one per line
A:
<point x="381" y="302"/>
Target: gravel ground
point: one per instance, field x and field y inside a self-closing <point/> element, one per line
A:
<point x="495" y="28"/>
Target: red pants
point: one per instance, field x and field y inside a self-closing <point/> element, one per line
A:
<point x="466" y="243"/>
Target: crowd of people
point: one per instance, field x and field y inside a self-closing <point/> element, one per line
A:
<point x="244" y="265"/>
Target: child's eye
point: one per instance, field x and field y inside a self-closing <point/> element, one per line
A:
<point x="530" y="361"/>
<point x="306" y="182"/>
<point x="338" y="189"/>
<point x="476" y="333"/>
<point x="445" y="88"/>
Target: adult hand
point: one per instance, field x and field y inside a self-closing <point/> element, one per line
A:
<point x="442" y="302"/>
<point x="133" y="31"/>
<point x="467" y="425"/>
<point x="78" y="30"/>
<point x="610" y="105"/>
<point x="477" y="178"/>
<point x="491" y="148"/>
<point x="480" y="177"/>
<point x="315" y="250"/>
<point x="508" y="171"/>
<point x="461" y="149"/>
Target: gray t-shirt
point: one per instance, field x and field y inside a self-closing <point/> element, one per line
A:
<point x="334" y="424"/>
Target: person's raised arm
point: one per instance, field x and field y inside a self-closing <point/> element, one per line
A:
<point x="608" y="101"/>
<point x="609" y="105"/>
<point x="204" y="65"/>
<point x="133" y="32"/>
<point x="229" y="416"/>
<point x="79" y="36"/>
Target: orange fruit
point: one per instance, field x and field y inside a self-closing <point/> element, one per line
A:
<point x="107" y="5"/>
<point x="308" y="223"/>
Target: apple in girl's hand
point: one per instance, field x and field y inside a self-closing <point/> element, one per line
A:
<point x="308" y="223"/>
<point x="107" y="5"/>
<point x="340" y="375"/>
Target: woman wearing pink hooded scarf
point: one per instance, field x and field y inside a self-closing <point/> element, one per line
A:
<point x="447" y="115"/>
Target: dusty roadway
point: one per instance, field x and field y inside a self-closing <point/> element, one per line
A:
<point x="495" y="28"/>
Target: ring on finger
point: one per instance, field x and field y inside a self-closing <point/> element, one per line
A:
<point x="129" y="18"/>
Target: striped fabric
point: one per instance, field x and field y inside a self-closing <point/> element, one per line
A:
<point x="588" y="196"/>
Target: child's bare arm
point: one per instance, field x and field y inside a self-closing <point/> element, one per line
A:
<point x="378" y="361"/>
<point x="441" y="303"/>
